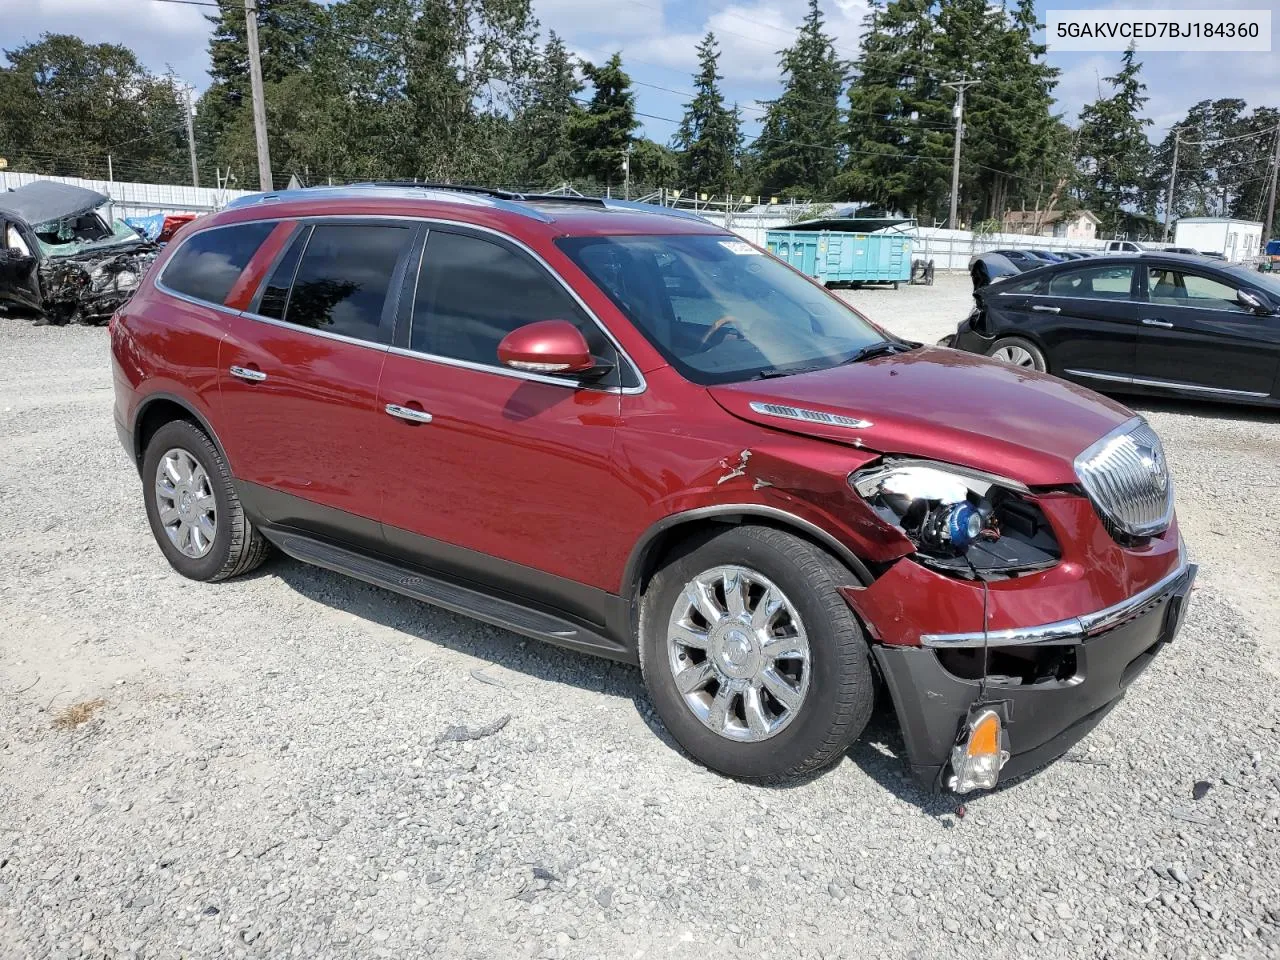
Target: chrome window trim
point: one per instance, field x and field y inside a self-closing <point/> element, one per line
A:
<point x="404" y="351"/>
<point x="508" y="371"/>
<point x="1074" y="630"/>
<point x="1167" y="384"/>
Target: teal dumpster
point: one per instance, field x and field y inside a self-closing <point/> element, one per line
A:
<point x="836" y="257"/>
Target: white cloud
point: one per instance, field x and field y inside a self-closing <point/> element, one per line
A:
<point x="161" y="34"/>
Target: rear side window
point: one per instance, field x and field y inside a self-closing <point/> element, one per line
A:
<point x="207" y="266"/>
<point x="343" y="274"/>
<point x="1094" y="283"/>
<point x="473" y="292"/>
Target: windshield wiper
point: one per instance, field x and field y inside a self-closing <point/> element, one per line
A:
<point x="770" y="372"/>
<point x="880" y="348"/>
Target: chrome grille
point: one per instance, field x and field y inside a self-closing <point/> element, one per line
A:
<point x="1127" y="477"/>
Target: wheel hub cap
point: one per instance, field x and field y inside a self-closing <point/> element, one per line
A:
<point x="739" y="653"/>
<point x="185" y="503"/>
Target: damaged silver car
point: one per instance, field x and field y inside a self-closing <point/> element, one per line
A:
<point x="63" y="257"/>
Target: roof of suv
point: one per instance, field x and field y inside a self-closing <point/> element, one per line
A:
<point x="560" y="216"/>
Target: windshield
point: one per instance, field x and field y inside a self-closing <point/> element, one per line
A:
<point x="718" y="309"/>
<point x="1269" y="282"/>
<point x="66" y="238"/>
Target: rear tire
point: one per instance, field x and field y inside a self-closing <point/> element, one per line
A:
<point x="1018" y="352"/>
<point x="784" y="694"/>
<point x="195" y="514"/>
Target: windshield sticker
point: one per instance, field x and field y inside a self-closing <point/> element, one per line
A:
<point x="740" y="247"/>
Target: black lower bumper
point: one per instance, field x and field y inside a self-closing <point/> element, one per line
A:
<point x="1042" y="720"/>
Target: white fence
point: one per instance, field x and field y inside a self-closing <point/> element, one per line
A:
<point x="139" y="199"/>
<point x="948" y="249"/>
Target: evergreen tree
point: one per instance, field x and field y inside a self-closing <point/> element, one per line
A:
<point x="602" y="133"/>
<point x="1253" y="177"/>
<point x="1112" y="148"/>
<point x="1013" y="142"/>
<point x="899" y="127"/>
<point x="546" y="118"/>
<point x="287" y="35"/>
<point x="709" y="137"/>
<point x="799" y="147"/>
<point x="468" y="66"/>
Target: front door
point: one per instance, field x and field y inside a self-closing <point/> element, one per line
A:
<point x="492" y="474"/>
<point x="299" y="378"/>
<point x="1197" y="335"/>
<point x="19" y="283"/>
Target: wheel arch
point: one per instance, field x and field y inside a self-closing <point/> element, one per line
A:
<point x="161" y="408"/>
<point x="661" y="537"/>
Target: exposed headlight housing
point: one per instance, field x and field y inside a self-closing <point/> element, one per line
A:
<point x="960" y="520"/>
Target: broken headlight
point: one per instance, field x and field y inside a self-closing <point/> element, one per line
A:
<point x="961" y="521"/>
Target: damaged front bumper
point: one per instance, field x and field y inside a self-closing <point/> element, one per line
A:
<point x="88" y="289"/>
<point x="1049" y="684"/>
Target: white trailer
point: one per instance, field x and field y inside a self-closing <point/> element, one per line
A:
<point x="1235" y="239"/>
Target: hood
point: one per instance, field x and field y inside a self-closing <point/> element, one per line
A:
<point x="942" y="405"/>
<point x="46" y="200"/>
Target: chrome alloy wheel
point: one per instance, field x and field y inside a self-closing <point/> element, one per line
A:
<point x="738" y="653"/>
<point x="1015" y="355"/>
<point x="185" y="503"/>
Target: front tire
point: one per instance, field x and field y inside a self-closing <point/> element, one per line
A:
<point x="752" y="658"/>
<point x="1018" y="352"/>
<point x="195" y="514"/>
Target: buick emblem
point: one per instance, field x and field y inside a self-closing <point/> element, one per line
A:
<point x="1154" y="460"/>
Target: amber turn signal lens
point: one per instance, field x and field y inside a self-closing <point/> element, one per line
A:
<point x="985" y="738"/>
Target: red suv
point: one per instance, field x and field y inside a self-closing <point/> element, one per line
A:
<point x="620" y="429"/>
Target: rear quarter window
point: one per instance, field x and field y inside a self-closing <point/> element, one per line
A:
<point x="208" y="264"/>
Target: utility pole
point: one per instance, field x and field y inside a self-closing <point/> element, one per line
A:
<point x="1173" y="178"/>
<point x="191" y="136"/>
<point x="259" y="105"/>
<point x="959" y="86"/>
<point x="110" y="173"/>
<point x="1271" y="194"/>
<point x="626" y="171"/>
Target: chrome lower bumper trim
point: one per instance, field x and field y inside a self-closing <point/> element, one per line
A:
<point x="1076" y="629"/>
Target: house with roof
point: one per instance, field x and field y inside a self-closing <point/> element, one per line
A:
<point x="1076" y="225"/>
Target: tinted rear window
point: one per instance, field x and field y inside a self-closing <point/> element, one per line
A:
<point x="342" y="281"/>
<point x="207" y="266"/>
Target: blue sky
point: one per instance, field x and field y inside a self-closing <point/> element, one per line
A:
<point x="657" y="39"/>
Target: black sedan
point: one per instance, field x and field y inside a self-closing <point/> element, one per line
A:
<point x="1162" y="324"/>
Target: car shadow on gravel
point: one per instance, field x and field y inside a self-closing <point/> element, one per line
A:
<point x="879" y="752"/>
<point x="463" y="634"/>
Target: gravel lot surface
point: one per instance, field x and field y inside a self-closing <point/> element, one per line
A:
<point x="268" y="767"/>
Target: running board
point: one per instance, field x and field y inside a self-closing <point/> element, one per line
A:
<point x="438" y="592"/>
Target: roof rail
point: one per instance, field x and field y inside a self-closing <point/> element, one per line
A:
<point x="407" y="190"/>
<point x="468" y="194"/>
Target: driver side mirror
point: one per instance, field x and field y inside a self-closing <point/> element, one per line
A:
<point x="548" y="346"/>
<point x="1254" y="302"/>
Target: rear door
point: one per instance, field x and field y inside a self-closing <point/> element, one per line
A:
<point x="299" y="377"/>
<point x="1086" y="318"/>
<point x="1197" y="335"/>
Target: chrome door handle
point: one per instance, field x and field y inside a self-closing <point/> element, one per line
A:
<point x="408" y="413"/>
<point x="1153" y="322"/>
<point x="1040" y="309"/>
<point x="244" y="373"/>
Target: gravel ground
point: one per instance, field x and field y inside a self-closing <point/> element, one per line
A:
<point x="269" y="767"/>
